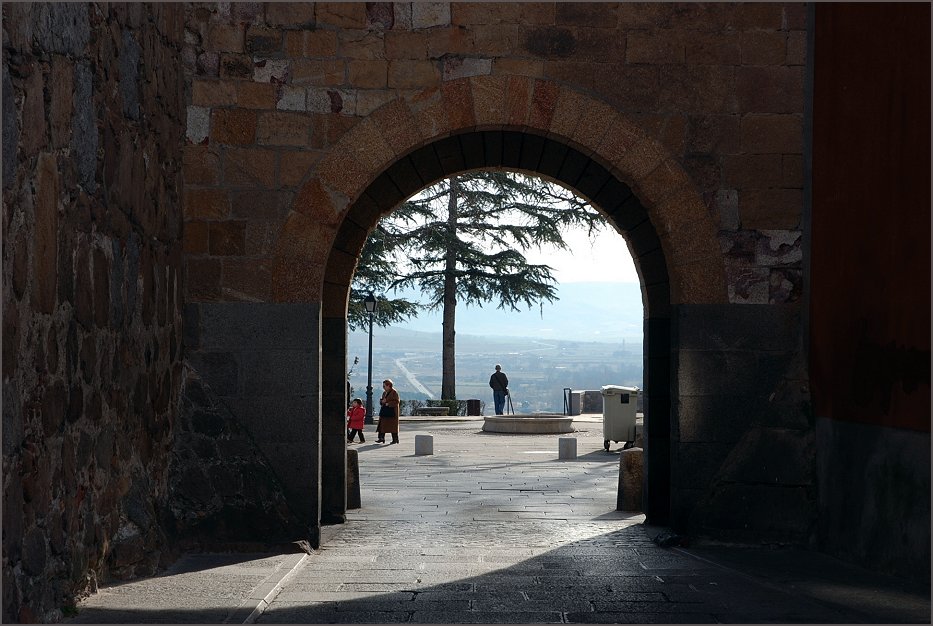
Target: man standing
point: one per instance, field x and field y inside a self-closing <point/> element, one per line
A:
<point x="500" y="388"/>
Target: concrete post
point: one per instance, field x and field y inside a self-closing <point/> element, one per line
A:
<point x="424" y="445"/>
<point x="567" y="448"/>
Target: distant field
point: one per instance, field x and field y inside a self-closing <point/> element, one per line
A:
<point x="538" y="370"/>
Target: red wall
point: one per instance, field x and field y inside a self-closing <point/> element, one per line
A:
<point x="870" y="246"/>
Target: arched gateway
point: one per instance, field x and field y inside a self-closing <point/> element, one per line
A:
<point x="514" y="123"/>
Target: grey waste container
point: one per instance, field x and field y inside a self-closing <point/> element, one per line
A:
<point x="619" y="405"/>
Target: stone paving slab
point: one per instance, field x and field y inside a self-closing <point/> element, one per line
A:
<point x="496" y="529"/>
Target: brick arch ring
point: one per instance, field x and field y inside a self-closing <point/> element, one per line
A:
<point x="455" y="127"/>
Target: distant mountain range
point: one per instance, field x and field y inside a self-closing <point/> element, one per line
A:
<point x="596" y="311"/>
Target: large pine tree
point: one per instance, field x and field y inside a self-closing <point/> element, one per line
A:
<point x="462" y="240"/>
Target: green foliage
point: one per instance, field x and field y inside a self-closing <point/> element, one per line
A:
<point x="463" y="240"/>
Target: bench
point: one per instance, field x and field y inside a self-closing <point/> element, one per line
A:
<point x="436" y="411"/>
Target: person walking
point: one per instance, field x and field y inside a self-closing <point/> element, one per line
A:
<point x="500" y="388"/>
<point x="356" y="420"/>
<point x="388" y="412"/>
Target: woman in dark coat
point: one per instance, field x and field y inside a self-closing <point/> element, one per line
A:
<point x="389" y="403"/>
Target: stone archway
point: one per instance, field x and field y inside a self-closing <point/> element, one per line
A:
<point x="513" y="123"/>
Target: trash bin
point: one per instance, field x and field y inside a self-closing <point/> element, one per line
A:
<point x="472" y="407"/>
<point x="619" y="405"/>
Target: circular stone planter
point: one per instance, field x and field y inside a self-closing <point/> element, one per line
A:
<point x="540" y="423"/>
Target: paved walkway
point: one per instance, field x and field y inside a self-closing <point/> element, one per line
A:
<point x="493" y="528"/>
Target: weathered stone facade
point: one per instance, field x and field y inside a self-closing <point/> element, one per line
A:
<point x="195" y="181"/>
<point x="93" y="120"/>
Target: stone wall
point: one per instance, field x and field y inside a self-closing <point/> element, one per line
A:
<point x="93" y="123"/>
<point x="304" y="118"/>
<point x="223" y="494"/>
<point x="275" y="87"/>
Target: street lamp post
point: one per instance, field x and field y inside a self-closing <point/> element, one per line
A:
<point x="370" y="304"/>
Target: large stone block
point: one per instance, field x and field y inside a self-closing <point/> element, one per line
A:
<point x="258" y="326"/>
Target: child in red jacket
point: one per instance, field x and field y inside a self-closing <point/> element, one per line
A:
<point x="356" y="416"/>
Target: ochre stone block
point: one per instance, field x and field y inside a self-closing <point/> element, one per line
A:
<point x="641" y="156"/>
<point x="774" y="209"/>
<point x="296" y="279"/>
<point x="250" y="95"/>
<point x="595" y="120"/>
<point x="289" y="14"/>
<point x="769" y="89"/>
<point x="295" y="166"/>
<point x="341" y="14"/>
<point x="544" y="100"/>
<point x="412" y="74"/>
<point x="315" y="200"/>
<point x="772" y="134"/>
<point x="202" y="277"/>
<point x="225" y="37"/>
<point x="458" y="100"/>
<point x="567" y="112"/>
<point x="587" y="13"/>
<point x="501" y="40"/>
<point x="674" y="199"/>
<point x="450" y="41"/>
<point x="247" y="279"/>
<point x="213" y="93"/>
<point x="660" y="47"/>
<point x="398" y="126"/>
<point x="791" y="170"/>
<point x="354" y="44"/>
<point x="701" y="282"/>
<point x="282" y="129"/>
<point x="209" y="204"/>
<point x="518" y="94"/>
<point x="533" y="68"/>
<point x="343" y="174"/>
<point x="195" y="237"/>
<point x="201" y="165"/>
<point x="406" y="45"/>
<point x="717" y="48"/>
<point x="260" y="237"/>
<point x="796" y="48"/>
<point x="250" y="166"/>
<point x="233" y="126"/>
<point x="227" y="238"/>
<point x="763" y="48"/>
<point x="319" y="72"/>
<point x="488" y="95"/>
<point x="368" y="73"/>
<point x="758" y="16"/>
<point x="752" y="170"/>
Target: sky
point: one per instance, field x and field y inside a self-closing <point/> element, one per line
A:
<point x="607" y="260"/>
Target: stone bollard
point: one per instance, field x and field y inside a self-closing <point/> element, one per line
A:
<point x="424" y="445"/>
<point x="567" y="448"/>
<point x="353" y="480"/>
<point x="630" y="480"/>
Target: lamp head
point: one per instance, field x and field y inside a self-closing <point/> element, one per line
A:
<point x="370" y="303"/>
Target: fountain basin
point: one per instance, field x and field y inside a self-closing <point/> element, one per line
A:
<point x="538" y="423"/>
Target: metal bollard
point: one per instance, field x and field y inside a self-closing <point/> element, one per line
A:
<point x="567" y="448"/>
<point x="424" y="445"/>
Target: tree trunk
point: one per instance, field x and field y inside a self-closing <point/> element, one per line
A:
<point x="448" y="358"/>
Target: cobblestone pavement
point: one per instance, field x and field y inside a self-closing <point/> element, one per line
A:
<point x="494" y="528"/>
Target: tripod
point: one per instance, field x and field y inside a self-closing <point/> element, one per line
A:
<point x="509" y="409"/>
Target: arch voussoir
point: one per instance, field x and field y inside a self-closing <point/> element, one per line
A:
<point x="592" y="127"/>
